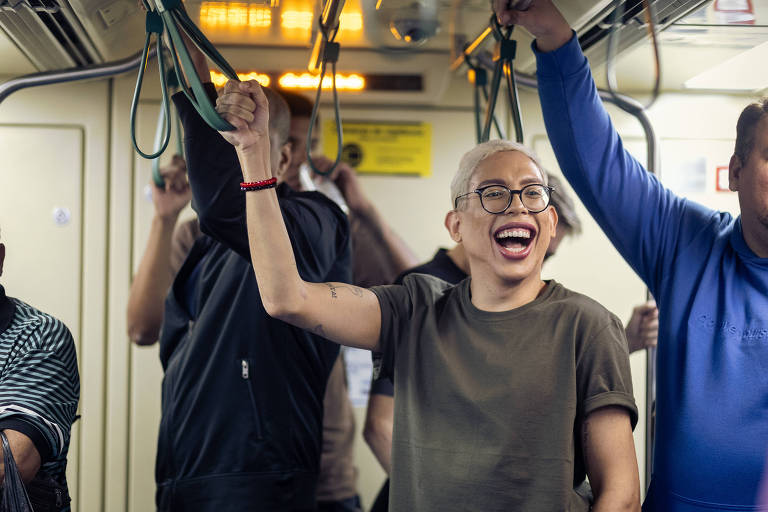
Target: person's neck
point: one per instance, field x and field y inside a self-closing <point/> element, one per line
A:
<point x="497" y="295"/>
<point x="459" y="258"/>
<point x="756" y="236"/>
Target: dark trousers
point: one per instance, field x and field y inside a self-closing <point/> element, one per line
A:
<point x="347" y="505"/>
<point x="381" y="503"/>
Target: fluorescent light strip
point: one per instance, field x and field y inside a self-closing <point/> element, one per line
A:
<point x="301" y="81"/>
<point x="219" y="79"/>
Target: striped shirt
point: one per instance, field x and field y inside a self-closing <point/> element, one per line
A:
<point x="39" y="381"/>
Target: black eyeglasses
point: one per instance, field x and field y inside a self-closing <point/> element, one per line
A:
<point x="497" y="198"/>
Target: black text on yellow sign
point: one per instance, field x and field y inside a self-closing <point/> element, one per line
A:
<point x="382" y="147"/>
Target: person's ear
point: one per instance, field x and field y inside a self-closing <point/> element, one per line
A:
<point x="735" y="166"/>
<point x="552" y="211"/>
<point x="284" y="163"/>
<point x="2" y="258"/>
<point x="452" y="224"/>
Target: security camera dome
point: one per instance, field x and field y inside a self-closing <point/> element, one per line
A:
<point x="415" y="23"/>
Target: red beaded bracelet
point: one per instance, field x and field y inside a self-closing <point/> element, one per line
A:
<point x="249" y="186"/>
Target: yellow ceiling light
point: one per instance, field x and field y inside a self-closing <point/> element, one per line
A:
<point x="234" y="15"/>
<point x="219" y="79"/>
<point x="296" y="19"/>
<point x="213" y="14"/>
<point x="308" y="81"/>
<point x="259" y="17"/>
<point x="352" y="21"/>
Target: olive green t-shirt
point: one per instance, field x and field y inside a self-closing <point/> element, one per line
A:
<point x="489" y="404"/>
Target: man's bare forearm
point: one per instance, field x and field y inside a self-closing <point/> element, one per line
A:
<point x="609" y="456"/>
<point x="146" y="302"/>
<point x="378" y="428"/>
<point x="25" y="455"/>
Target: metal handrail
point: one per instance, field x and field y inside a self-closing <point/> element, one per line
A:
<point x="636" y="109"/>
<point x="59" y="76"/>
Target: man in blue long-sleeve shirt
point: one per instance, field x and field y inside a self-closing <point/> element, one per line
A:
<point x="707" y="270"/>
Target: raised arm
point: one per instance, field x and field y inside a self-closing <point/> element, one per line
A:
<point x="213" y="169"/>
<point x="146" y="302"/>
<point x="646" y="222"/>
<point x="611" y="464"/>
<point x="340" y="312"/>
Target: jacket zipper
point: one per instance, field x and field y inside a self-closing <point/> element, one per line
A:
<point x="245" y="373"/>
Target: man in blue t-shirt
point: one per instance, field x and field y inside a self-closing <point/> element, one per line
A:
<point x="707" y="270"/>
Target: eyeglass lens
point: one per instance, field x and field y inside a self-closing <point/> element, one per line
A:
<point x="497" y="198"/>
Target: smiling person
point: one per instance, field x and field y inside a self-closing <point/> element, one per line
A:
<point x="509" y="387"/>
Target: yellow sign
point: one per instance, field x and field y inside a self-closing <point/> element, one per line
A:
<point x="382" y="147"/>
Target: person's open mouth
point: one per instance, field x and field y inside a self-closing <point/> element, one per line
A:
<point x="515" y="240"/>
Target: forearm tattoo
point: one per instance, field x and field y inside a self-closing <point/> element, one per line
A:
<point x="354" y="290"/>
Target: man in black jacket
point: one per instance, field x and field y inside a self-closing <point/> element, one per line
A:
<point x="243" y="393"/>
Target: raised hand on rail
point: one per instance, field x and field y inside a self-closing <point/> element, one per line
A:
<point x="244" y="105"/>
<point x="541" y="19"/>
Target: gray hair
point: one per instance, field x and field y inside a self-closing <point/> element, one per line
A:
<point x="566" y="209"/>
<point x="473" y="157"/>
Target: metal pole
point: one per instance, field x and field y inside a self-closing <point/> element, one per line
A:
<point x="72" y="74"/>
<point x="637" y="110"/>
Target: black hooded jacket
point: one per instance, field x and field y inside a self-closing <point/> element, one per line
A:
<point x="242" y="401"/>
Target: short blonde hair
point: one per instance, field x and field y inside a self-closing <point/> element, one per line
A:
<point x="473" y="157"/>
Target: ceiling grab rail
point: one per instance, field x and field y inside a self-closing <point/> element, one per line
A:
<point x="504" y="55"/>
<point x="478" y="77"/>
<point x="154" y="25"/>
<point x="60" y="76"/>
<point x="157" y="178"/>
<point x="325" y="51"/>
<point x="651" y="23"/>
<point x="170" y="17"/>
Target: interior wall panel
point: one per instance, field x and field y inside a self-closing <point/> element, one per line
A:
<point x="43" y="231"/>
<point x="85" y="106"/>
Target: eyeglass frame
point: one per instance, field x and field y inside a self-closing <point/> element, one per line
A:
<point x="519" y="192"/>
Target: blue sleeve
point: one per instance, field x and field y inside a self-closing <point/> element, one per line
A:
<point x="647" y="223"/>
